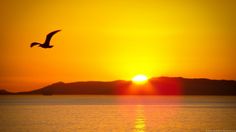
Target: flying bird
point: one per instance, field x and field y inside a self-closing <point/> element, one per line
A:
<point x="46" y="44"/>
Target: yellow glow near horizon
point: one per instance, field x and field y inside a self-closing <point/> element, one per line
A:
<point x="140" y="79"/>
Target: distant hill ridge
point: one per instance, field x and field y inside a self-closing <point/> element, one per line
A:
<point x="155" y="86"/>
<point x="2" y="92"/>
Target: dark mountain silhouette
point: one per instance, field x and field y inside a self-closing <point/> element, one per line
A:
<point x="4" y="92"/>
<point x="200" y="86"/>
<point x="90" y="87"/>
<point x="158" y="86"/>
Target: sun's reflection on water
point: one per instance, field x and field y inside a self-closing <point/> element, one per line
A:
<point x="139" y="125"/>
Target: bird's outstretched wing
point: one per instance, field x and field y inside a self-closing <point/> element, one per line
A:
<point x="49" y="36"/>
<point x="34" y="43"/>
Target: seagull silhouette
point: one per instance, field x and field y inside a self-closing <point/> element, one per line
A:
<point x="46" y="44"/>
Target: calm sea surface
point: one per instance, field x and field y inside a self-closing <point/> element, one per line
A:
<point x="117" y="113"/>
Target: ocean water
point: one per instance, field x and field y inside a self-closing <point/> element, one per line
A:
<point x="60" y="113"/>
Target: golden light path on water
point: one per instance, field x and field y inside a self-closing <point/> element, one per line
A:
<point x="139" y="125"/>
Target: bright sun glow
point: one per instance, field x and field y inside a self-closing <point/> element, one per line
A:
<point x="140" y="79"/>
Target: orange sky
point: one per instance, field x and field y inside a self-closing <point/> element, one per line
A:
<point x="109" y="40"/>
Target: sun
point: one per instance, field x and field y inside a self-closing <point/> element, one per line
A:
<point x="140" y="79"/>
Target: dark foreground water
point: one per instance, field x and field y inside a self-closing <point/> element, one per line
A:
<point x="117" y="113"/>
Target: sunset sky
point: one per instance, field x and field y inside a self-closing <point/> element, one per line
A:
<point x="108" y="40"/>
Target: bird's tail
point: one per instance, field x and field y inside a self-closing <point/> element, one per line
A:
<point x="34" y="43"/>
